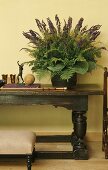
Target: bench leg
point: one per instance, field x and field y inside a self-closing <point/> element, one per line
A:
<point x="33" y="155"/>
<point x="29" y="160"/>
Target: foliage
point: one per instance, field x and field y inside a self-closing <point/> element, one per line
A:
<point x="65" y="50"/>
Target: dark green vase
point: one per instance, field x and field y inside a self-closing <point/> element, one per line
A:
<point x="58" y="82"/>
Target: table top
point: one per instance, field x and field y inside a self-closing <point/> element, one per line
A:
<point x="80" y="89"/>
<point x="74" y="99"/>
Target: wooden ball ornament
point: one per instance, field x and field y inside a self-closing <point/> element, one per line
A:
<point x="29" y="79"/>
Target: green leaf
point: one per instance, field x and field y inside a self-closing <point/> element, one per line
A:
<point x="56" y="68"/>
<point x="80" y="58"/>
<point x="55" y="60"/>
<point x="66" y="74"/>
<point x="54" y="53"/>
<point x="91" y="66"/>
<point x="81" y="67"/>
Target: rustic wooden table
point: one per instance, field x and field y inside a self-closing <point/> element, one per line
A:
<point x="75" y="100"/>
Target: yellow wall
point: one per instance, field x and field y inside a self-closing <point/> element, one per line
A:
<point x="17" y="16"/>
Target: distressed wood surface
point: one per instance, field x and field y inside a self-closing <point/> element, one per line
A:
<point x="75" y="100"/>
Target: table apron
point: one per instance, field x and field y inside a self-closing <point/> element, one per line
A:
<point x="79" y="102"/>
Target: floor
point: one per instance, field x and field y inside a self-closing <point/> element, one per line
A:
<point x="96" y="160"/>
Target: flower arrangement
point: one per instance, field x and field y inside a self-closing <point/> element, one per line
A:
<point x="63" y="50"/>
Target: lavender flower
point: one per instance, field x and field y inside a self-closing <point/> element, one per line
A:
<point x="69" y="24"/>
<point x="51" y="26"/>
<point x="39" y="25"/>
<point x="94" y="35"/>
<point x="78" y="26"/>
<point x="44" y="26"/>
<point x="58" y="24"/>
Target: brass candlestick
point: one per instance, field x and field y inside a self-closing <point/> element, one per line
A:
<point x="12" y="78"/>
<point x="5" y="77"/>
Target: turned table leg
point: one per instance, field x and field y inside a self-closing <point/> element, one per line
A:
<point x="79" y="122"/>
